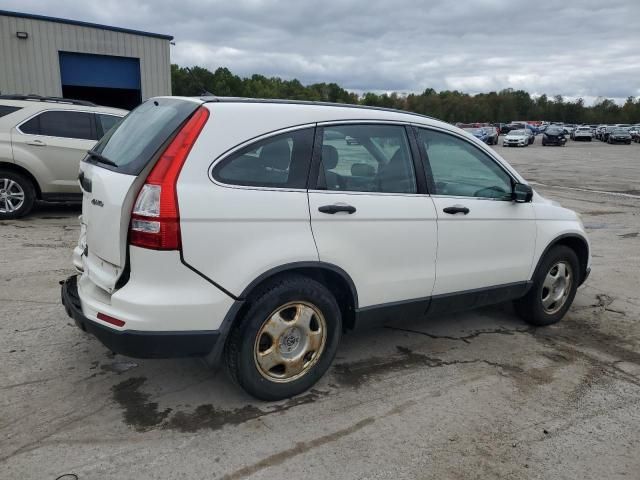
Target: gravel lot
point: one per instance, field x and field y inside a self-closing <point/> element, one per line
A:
<point x="475" y="395"/>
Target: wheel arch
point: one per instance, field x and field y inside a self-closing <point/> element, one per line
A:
<point x="12" y="167"/>
<point x="339" y="283"/>
<point x="575" y="242"/>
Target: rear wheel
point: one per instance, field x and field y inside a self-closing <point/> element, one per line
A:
<point x="17" y="195"/>
<point x="553" y="290"/>
<point x="287" y="339"/>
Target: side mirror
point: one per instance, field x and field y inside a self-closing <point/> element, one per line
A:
<point x="522" y="193"/>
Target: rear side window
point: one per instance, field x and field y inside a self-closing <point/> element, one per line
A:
<point x="6" y="110"/>
<point x="281" y="161"/>
<point x="104" y="123"/>
<point x="61" y="124"/>
<point x="135" y="140"/>
<point x="366" y="158"/>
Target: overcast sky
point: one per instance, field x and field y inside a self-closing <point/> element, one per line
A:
<point x="585" y="48"/>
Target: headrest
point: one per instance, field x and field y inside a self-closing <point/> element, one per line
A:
<point x="329" y="157"/>
<point x="276" y="155"/>
<point x="362" y="170"/>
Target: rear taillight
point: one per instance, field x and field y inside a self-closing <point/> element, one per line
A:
<point x="155" y="219"/>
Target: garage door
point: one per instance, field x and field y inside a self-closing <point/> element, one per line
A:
<point x="102" y="79"/>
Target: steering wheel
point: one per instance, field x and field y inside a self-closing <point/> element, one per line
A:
<point x="490" y="192"/>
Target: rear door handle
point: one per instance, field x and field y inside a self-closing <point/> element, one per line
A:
<point x="37" y="143"/>
<point x="331" y="209"/>
<point x="456" y="209"/>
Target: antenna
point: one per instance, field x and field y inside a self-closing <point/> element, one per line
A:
<point x="204" y="92"/>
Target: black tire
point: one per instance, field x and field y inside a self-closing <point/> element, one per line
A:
<point x="240" y="350"/>
<point x="23" y="184"/>
<point x="530" y="307"/>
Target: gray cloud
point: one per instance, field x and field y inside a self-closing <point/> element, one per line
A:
<point x="588" y="50"/>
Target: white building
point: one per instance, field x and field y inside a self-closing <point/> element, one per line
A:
<point x="72" y="59"/>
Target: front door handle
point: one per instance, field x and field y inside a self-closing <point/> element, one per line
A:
<point x="37" y="143"/>
<point x="331" y="209"/>
<point x="456" y="209"/>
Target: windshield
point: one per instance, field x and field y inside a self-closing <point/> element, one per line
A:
<point x="554" y="131"/>
<point x="517" y="132"/>
<point x="620" y="131"/>
<point x="133" y="143"/>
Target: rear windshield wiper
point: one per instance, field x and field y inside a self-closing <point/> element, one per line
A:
<point x="101" y="158"/>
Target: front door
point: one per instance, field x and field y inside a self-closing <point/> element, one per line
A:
<point x="484" y="238"/>
<point x="369" y="214"/>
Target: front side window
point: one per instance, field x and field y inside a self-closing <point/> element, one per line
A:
<point x="61" y="124"/>
<point x="462" y="170"/>
<point x="366" y="158"/>
<point x="281" y="161"/>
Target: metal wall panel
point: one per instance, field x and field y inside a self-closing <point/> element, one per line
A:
<point x="33" y="66"/>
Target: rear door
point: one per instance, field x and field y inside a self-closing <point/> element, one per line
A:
<point x="370" y="214"/>
<point x="111" y="183"/>
<point x="54" y="142"/>
<point x="484" y="238"/>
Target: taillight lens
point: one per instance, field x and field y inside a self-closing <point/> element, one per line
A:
<point x="155" y="219"/>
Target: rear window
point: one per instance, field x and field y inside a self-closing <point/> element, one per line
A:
<point x="6" y="110"/>
<point x="137" y="138"/>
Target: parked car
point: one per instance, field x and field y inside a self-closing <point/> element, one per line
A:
<point x="479" y="133"/>
<point x="619" y="135"/>
<point x="492" y="135"/>
<point x="42" y="140"/>
<point x="517" y="138"/>
<point x="570" y="129"/>
<point x="554" y="136"/>
<point x="606" y="132"/>
<point x="634" y="131"/>
<point x="583" y="133"/>
<point x="242" y="231"/>
<point x="599" y="131"/>
<point x="532" y="132"/>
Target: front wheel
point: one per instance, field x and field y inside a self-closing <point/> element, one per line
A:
<point x="17" y="195"/>
<point x="554" y="288"/>
<point x="286" y="340"/>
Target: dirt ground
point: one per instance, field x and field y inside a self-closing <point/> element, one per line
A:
<point x="475" y="395"/>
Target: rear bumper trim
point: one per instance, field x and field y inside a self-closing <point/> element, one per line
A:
<point x="135" y="343"/>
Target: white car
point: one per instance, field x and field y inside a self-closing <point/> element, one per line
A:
<point x="516" y="138"/>
<point x="42" y="140"/>
<point x="250" y="232"/>
<point x="583" y="133"/>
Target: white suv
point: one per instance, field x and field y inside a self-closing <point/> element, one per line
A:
<point x="42" y="140"/>
<point x="257" y="232"/>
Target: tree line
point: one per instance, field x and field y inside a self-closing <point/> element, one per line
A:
<point x="448" y="105"/>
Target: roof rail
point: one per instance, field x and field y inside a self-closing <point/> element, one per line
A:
<point x="41" y="98"/>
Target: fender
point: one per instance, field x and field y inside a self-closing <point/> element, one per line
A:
<point x="300" y="265"/>
<point x="583" y="261"/>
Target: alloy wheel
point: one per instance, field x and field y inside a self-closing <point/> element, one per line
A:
<point x="11" y="196"/>
<point x="290" y="342"/>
